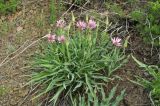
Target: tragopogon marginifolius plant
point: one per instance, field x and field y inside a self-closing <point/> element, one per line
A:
<point x="78" y="59"/>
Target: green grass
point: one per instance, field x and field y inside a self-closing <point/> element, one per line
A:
<point x="101" y="99"/>
<point x="153" y="86"/>
<point x="3" y="90"/>
<point x="7" y="6"/>
<point x="4" y="27"/>
<point x="53" y="11"/>
<point x="148" y="22"/>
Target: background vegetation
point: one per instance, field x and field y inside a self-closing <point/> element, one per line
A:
<point x="7" y="6"/>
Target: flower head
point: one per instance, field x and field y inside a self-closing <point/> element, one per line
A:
<point x="116" y="41"/>
<point x="91" y="24"/>
<point x="81" y="25"/>
<point x="51" y="38"/>
<point x="61" y="23"/>
<point x="61" y="39"/>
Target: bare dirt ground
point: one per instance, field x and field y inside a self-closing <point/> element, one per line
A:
<point x="31" y="23"/>
<point x="25" y="26"/>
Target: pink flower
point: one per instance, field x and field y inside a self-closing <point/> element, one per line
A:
<point x="81" y="25"/>
<point x="116" y="41"/>
<point x="51" y="38"/>
<point x="61" y="39"/>
<point x="91" y="24"/>
<point x="61" y="23"/>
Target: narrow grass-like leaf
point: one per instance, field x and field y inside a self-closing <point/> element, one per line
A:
<point x="118" y="98"/>
<point x="56" y="96"/>
<point x="89" y="85"/>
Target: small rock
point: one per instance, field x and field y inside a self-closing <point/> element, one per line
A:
<point x="3" y="18"/>
<point x="13" y="102"/>
<point x="129" y="72"/>
<point x="31" y="11"/>
<point x="15" y="89"/>
<point x="1" y="77"/>
<point x="23" y="93"/>
<point x="146" y="74"/>
<point x="21" y="85"/>
<point x="19" y="28"/>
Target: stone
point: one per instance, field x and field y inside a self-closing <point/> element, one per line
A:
<point x="13" y="102"/>
<point x="23" y="93"/>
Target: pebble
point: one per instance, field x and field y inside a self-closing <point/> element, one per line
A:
<point x="19" y="28"/>
<point x="13" y="102"/>
<point x="23" y="93"/>
<point x="3" y="18"/>
<point x="15" y="89"/>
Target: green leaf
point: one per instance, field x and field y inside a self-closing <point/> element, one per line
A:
<point x="119" y="98"/>
<point x="126" y="42"/>
<point x="77" y="86"/>
<point x="138" y="62"/>
<point x="89" y="85"/>
<point x="111" y="94"/>
<point x="57" y="94"/>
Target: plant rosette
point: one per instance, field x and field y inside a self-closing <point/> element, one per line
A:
<point x="78" y="59"/>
